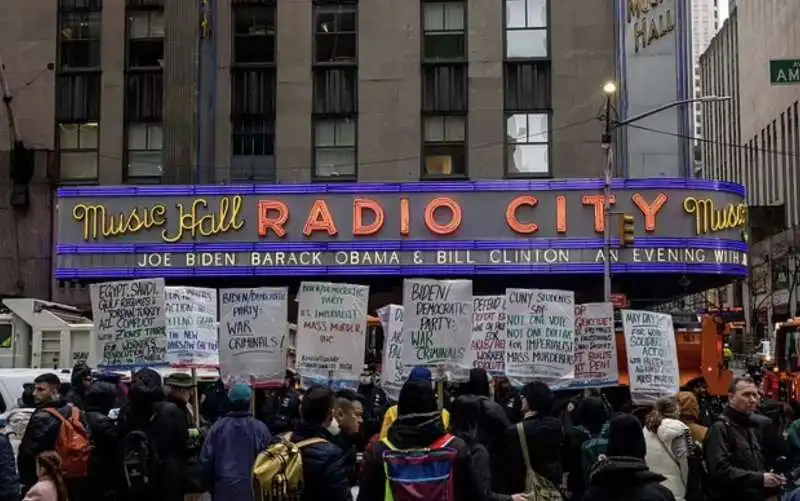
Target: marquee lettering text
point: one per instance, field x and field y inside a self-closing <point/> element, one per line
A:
<point x="649" y="21"/>
<point x="710" y="219"/>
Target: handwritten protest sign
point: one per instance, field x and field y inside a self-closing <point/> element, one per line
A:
<point x="331" y="327"/>
<point x="130" y="323"/>
<point x="595" y="346"/>
<point x="392" y="373"/>
<point x="437" y="325"/>
<point x="191" y="314"/>
<point x="540" y="335"/>
<point x="652" y="355"/>
<point x="487" y="349"/>
<point x="253" y="329"/>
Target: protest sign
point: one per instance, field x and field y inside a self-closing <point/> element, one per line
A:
<point x="652" y="355"/>
<point x="253" y="329"/>
<point x="487" y="349"/>
<point x="130" y="323"/>
<point x="437" y="325"/>
<point x="540" y="335"/>
<point x="331" y="332"/>
<point x="595" y="346"/>
<point x="392" y="373"/>
<point x="191" y="314"/>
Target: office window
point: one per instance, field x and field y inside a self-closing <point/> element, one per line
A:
<point x="444" y="146"/>
<point x="527" y="86"/>
<point x="526" y="29"/>
<point x="528" y="144"/>
<point x="335" y="33"/>
<point x="254" y="34"/>
<point x="144" y="96"/>
<point x="335" y="90"/>
<point x="78" y="151"/>
<point x="145" y="39"/>
<point x="335" y="148"/>
<point x="145" y="145"/>
<point x="444" y="36"/>
<point x="444" y="88"/>
<point x="80" y="40"/>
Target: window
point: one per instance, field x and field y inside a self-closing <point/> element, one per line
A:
<point x="253" y="150"/>
<point x="527" y="86"/>
<point x="144" y="151"/>
<point x="444" y="35"/>
<point x="335" y="90"/>
<point x="528" y="144"/>
<point x="144" y="96"/>
<point x="444" y="146"/>
<point x="78" y="97"/>
<point x="444" y="88"/>
<point x="80" y="40"/>
<point x="526" y="29"/>
<point x="78" y="151"/>
<point x="145" y="39"/>
<point x="335" y="149"/>
<point x="335" y="33"/>
<point x="254" y="34"/>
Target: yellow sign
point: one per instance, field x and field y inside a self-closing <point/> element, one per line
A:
<point x="651" y="21"/>
<point x="711" y="219"/>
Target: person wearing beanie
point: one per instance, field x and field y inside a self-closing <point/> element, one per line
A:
<point x="590" y="424"/>
<point x="622" y="474"/>
<point x="231" y="447"/>
<point x="418" y="374"/>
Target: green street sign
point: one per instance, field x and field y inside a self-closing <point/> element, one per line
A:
<point x="784" y="71"/>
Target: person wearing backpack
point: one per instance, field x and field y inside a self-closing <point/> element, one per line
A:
<point x="55" y="426"/>
<point x="99" y="399"/>
<point x="584" y="442"/>
<point x="418" y="432"/>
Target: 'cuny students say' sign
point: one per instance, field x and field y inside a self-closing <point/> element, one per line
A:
<point x="595" y="346"/>
<point x="652" y="355"/>
<point x="252" y="334"/>
<point x="130" y="323"/>
<point x="437" y="325"/>
<point x="331" y="327"/>
<point x="487" y="349"/>
<point x="192" y="327"/>
<point x="540" y="335"/>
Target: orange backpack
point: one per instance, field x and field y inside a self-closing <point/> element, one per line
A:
<point x="73" y="444"/>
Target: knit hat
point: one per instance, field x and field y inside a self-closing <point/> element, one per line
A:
<point x="416" y="397"/>
<point x="420" y="374"/>
<point x="240" y="393"/>
<point x="625" y="437"/>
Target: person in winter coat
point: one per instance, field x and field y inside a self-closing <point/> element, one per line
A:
<point x="231" y="447"/>
<point x="690" y="415"/>
<point x="99" y="399"/>
<point x="50" y="484"/>
<point x="591" y="419"/>
<point x="509" y="399"/>
<point x="770" y="424"/>
<point x="465" y="418"/>
<point x="375" y="401"/>
<point x="348" y="410"/>
<point x="9" y="480"/>
<point x="699" y="388"/>
<point x="545" y="438"/>
<point x="733" y="456"/>
<point x="80" y="380"/>
<point x="623" y="475"/>
<point x="417" y="374"/>
<point x="282" y="410"/>
<point x="165" y="425"/>
<point x="418" y="425"/>
<point x="668" y="443"/>
<point x="324" y="470"/>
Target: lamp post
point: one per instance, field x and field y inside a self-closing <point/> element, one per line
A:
<point x="610" y="89"/>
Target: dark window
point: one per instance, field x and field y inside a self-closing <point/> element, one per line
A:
<point x="253" y="150"/>
<point x="78" y="151"/>
<point x="80" y="40"/>
<point x="335" y="33"/>
<point x="80" y="4"/>
<point x="254" y="34"/>
<point x="444" y="88"/>
<point x="253" y="92"/>
<point x="444" y="34"/>
<point x="145" y="39"/>
<point x="528" y="143"/>
<point x="444" y="146"/>
<point x="335" y="149"/>
<point x="526" y="29"/>
<point x="140" y="4"/>
<point x="335" y="90"/>
<point x="144" y="151"/>
<point x="145" y="96"/>
<point x="527" y="86"/>
<point x="78" y="98"/>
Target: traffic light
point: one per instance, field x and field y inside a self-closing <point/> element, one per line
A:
<point x="626" y="230"/>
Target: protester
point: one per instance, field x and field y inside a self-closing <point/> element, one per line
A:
<point x="509" y="399"/>
<point x="418" y="426"/>
<point x="623" y="474"/>
<point x="9" y="480"/>
<point x="690" y="415"/>
<point x="50" y="484"/>
<point x="348" y="411"/>
<point x="770" y="424"/>
<point x="584" y="442"/>
<point x="417" y="374"/>
<point x="374" y="403"/>
<point x="735" y="464"/>
<point x="699" y="388"/>
<point x="544" y="437"/>
<point x="216" y="404"/>
<point x="231" y="447"/>
<point x="99" y="399"/>
<point x="282" y="408"/>
<point x="181" y="391"/>
<point x="324" y="470"/>
<point x="668" y="442"/>
<point x="80" y="380"/>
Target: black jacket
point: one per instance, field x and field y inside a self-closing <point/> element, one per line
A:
<point x="492" y="435"/>
<point x="418" y="434"/>
<point x="350" y="456"/>
<point x="40" y="435"/>
<point x="574" y="438"/>
<point x="772" y="444"/>
<point x="9" y="481"/>
<point x="733" y="457"/>
<point x="481" y="467"/>
<point x="511" y="402"/>
<point x="375" y="404"/>
<point x="324" y="470"/>
<point x="545" y="438"/>
<point x="75" y="396"/>
<point x="105" y="463"/>
<point x="282" y="410"/>
<point x="625" y="479"/>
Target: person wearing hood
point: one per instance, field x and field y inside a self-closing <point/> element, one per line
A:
<point x="669" y="445"/>
<point x="622" y="475"/>
<point x="99" y="399"/>
<point x="418" y="426"/>
<point x="80" y="380"/>
<point x="167" y="431"/>
<point x="231" y="447"/>
<point x="417" y="374"/>
<point x="509" y="399"/>
<point x="591" y="421"/>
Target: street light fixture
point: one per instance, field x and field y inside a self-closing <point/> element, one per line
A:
<point x="610" y="87"/>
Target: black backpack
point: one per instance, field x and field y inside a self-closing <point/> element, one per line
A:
<point x="140" y="460"/>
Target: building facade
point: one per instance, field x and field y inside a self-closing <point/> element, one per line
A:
<point x="705" y="23"/>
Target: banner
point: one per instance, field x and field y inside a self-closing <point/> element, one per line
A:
<point x="191" y="314"/>
<point x="331" y="332"/>
<point x="540" y="335"/>
<point x="487" y="348"/>
<point x="652" y="355"/>
<point x="392" y="373"/>
<point x="130" y="323"/>
<point x="595" y="346"/>
<point x="437" y="324"/>
<point x="253" y="330"/>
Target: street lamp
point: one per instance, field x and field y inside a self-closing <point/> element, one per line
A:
<point x="610" y="89"/>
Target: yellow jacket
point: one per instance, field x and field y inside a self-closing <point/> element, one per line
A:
<point x="391" y="416"/>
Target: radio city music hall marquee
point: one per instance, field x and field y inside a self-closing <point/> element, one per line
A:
<point x="489" y="227"/>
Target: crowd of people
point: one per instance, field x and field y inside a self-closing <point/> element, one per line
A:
<point x="482" y="441"/>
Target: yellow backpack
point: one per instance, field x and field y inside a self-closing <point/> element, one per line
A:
<point x="278" y="471"/>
